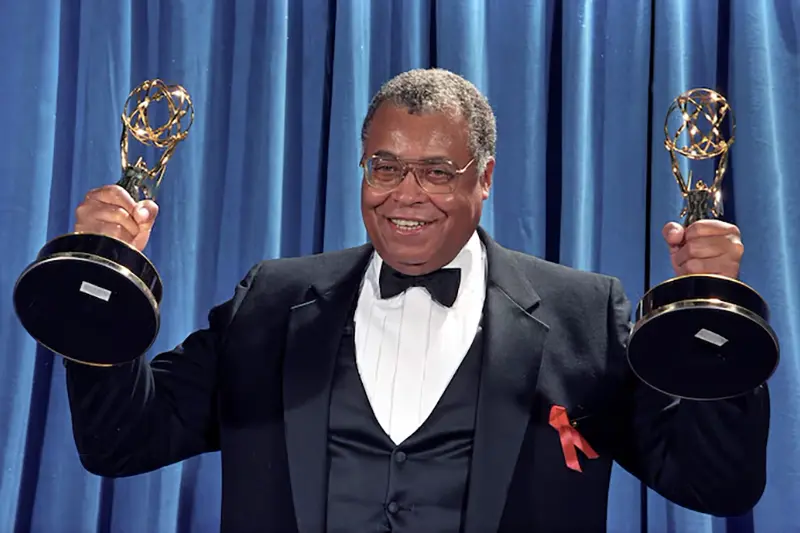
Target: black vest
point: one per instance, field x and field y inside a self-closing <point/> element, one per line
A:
<point x="416" y="487"/>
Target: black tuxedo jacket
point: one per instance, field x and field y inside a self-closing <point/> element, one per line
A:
<point x="255" y="384"/>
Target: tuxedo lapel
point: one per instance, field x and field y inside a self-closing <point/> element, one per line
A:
<point x="314" y="332"/>
<point x="510" y="371"/>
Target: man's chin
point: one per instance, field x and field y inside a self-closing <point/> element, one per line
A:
<point x="413" y="265"/>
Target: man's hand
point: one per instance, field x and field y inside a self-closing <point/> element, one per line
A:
<point x="111" y="211"/>
<point x="705" y="247"/>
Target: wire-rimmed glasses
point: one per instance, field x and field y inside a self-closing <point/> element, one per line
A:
<point x="438" y="176"/>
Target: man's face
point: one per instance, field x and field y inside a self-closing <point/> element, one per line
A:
<point x="448" y="219"/>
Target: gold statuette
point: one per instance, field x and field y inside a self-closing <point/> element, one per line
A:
<point x="141" y="182"/>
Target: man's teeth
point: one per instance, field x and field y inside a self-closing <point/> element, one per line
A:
<point x="407" y="223"/>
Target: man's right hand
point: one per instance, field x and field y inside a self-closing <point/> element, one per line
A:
<point x="111" y="211"/>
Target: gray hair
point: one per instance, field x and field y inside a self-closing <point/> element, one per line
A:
<point x="441" y="91"/>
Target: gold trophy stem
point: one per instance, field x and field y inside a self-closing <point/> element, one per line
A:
<point x="676" y="171"/>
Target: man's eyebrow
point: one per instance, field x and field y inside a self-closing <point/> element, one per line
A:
<point x="431" y="159"/>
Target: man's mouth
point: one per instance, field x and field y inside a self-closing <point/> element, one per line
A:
<point x="405" y="225"/>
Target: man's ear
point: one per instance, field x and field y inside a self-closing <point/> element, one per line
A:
<point x="486" y="178"/>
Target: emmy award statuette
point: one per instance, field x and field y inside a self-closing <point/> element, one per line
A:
<point x="94" y="299"/>
<point x="702" y="336"/>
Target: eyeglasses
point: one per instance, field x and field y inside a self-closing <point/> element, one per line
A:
<point x="387" y="173"/>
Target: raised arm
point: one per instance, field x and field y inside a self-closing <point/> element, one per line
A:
<point x="706" y="456"/>
<point x="142" y="416"/>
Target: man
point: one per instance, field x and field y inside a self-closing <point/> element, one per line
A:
<point x="346" y="395"/>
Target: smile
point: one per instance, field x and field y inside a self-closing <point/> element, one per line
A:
<point x="407" y="226"/>
<point x="403" y="223"/>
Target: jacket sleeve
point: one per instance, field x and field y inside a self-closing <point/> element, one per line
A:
<point x="141" y="416"/>
<point x="707" y="456"/>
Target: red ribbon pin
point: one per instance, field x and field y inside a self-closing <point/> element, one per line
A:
<point x="571" y="440"/>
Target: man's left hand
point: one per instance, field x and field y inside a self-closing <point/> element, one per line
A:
<point x="705" y="247"/>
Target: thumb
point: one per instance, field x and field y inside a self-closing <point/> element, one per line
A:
<point x="145" y="214"/>
<point x="673" y="234"/>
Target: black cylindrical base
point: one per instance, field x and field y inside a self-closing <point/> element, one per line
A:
<point x="90" y="298"/>
<point x="703" y="337"/>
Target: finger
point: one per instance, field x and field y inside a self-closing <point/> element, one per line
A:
<point x="106" y="228"/>
<point x="729" y="246"/>
<point x="705" y="248"/>
<point x="693" y="264"/>
<point x="710" y="228"/>
<point x="673" y="234"/>
<point x="723" y="265"/>
<point x="112" y="195"/>
<point x="93" y="214"/>
<point x="145" y="214"/>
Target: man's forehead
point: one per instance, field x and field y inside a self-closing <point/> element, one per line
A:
<point x="422" y="137"/>
<point x="398" y="130"/>
<point x="431" y="110"/>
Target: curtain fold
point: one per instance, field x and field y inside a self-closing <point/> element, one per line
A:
<point x="270" y="169"/>
<point x="765" y="87"/>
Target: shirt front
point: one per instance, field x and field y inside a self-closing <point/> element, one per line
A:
<point x="409" y="347"/>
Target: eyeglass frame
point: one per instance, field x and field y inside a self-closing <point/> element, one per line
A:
<point x="407" y="165"/>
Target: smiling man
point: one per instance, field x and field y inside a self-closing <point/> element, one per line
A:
<point x="420" y="224"/>
<point x="417" y="383"/>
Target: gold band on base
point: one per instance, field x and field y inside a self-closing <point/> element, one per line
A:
<point x="708" y="303"/>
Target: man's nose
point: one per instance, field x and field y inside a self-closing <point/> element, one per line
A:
<point x="409" y="190"/>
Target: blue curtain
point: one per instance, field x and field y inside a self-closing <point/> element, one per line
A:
<point x="280" y="87"/>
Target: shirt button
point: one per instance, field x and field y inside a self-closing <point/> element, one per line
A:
<point x="392" y="507"/>
<point x="400" y="457"/>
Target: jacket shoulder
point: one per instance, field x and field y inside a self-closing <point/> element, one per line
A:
<point x="286" y="279"/>
<point x="272" y="287"/>
<point x="553" y="280"/>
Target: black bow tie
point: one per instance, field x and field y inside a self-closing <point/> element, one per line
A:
<point x="442" y="284"/>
